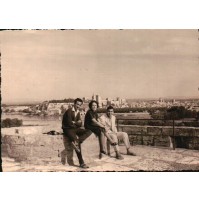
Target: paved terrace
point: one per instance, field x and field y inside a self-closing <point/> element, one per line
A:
<point x="147" y="159"/>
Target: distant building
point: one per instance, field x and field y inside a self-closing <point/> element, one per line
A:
<point x="161" y="100"/>
<point x="94" y="97"/>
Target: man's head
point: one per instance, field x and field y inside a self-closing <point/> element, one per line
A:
<point x="109" y="111"/>
<point x="78" y="103"/>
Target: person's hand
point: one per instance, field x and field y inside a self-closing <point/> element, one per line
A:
<point x="73" y="122"/>
<point x="106" y="128"/>
<point x="114" y="143"/>
<point x="79" y="121"/>
<point x="103" y="126"/>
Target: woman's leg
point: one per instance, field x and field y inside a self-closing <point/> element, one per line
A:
<point x="101" y="139"/>
<point x="108" y="146"/>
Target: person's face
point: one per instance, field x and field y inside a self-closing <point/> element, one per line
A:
<point x="77" y="105"/>
<point x="110" y="113"/>
<point x="94" y="107"/>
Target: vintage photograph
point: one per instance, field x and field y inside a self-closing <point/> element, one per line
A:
<point x="99" y="100"/>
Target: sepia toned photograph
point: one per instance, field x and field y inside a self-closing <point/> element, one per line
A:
<point x="99" y="100"/>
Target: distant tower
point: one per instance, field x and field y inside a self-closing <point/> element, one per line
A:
<point x="93" y="97"/>
<point x="119" y="99"/>
<point x="98" y="98"/>
<point x="160" y="100"/>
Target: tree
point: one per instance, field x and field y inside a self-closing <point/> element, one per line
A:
<point x="7" y="110"/>
<point x="7" y="123"/>
<point x="179" y="112"/>
<point x="12" y="110"/>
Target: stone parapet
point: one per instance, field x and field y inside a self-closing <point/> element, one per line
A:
<point x="183" y="137"/>
<point x="24" y="147"/>
<point x="29" y="146"/>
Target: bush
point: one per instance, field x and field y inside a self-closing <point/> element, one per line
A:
<point x="7" y="123"/>
<point x="26" y="111"/>
<point x="7" y="110"/>
<point x="180" y="112"/>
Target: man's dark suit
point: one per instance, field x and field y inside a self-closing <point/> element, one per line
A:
<point x="73" y="130"/>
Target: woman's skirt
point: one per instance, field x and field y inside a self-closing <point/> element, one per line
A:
<point x="95" y="129"/>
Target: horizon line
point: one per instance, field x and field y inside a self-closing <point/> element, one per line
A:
<point x="153" y="98"/>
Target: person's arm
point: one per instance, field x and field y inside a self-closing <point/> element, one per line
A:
<point x="102" y="120"/>
<point x="67" y="120"/>
<point x="106" y="130"/>
<point x="94" y="120"/>
<point x="97" y="123"/>
<point x="114" y="126"/>
<point x="78" y="123"/>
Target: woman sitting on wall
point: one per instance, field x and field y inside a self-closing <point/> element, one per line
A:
<point x="91" y="122"/>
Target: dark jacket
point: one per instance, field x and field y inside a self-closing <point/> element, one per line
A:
<point x="68" y="117"/>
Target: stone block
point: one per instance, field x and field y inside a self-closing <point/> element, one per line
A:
<point x="193" y="143"/>
<point x="184" y="132"/>
<point x="12" y="139"/>
<point x="138" y="140"/>
<point x="5" y="148"/>
<point x="134" y="129"/>
<point x="148" y="140"/>
<point x="132" y="139"/>
<point x="196" y="132"/>
<point x="162" y="141"/>
<point x="154" y="131"/>
<point x="167" y="131"/>
<point x="19" y="152"/>
<point x="139" y="130"/>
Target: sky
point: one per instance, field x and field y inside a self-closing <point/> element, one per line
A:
<point x="40" y="65"/>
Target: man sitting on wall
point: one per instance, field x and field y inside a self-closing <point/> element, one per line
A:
<point x="71" y="124"/>
<point x="108" y="120"/>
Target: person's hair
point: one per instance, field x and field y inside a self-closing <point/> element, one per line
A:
<point x="78" y="99"/>
<point x="91" y="103"/>
<point x="109" y="108"/>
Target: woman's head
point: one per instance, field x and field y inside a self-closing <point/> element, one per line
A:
<point x="93" y="105"/>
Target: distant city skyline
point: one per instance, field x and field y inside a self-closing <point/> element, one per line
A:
<point x="40" y="65"/>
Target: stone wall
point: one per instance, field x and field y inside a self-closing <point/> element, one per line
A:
<point x="184" y="137"/>
<point x="23" y="147"/>
<point x="29" y="146"/>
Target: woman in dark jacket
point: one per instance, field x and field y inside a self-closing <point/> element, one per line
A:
<point x="91" y="122"/>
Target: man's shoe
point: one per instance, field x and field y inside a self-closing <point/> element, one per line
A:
<point x="63" y="158"/>
<point x="84" y="166"/>
<point x="63" y="161"/>
<point x="114" y="144"/>
<point x="100" y="156"/>
<point x="119" y="156"/>
<point x="76" y="147"/>
<point x="130" y="153"/>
